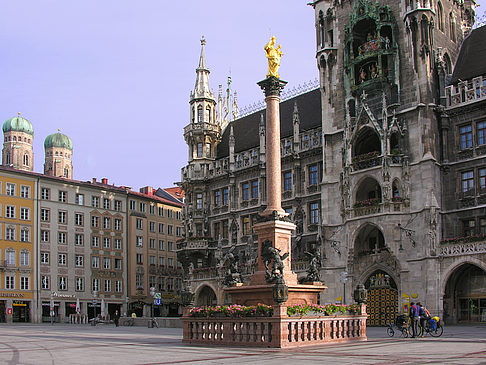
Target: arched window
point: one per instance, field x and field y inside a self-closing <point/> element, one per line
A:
<point x="26" y="160"/>
<point x="448" y="64"/>
<point x="192" y="114"/>
<point x="7" y="158"/>
<point x="440" y="16"/>
<point x="452" y="27"/>
<point x="208" y="114"/>
<point x="24" y="258"/>
<point x="15" y="138"/>
<point x="368" y="193"/>
<point x="66" y="172"/>
<point x="396" y="191"/>
<point x="199" y="114"/>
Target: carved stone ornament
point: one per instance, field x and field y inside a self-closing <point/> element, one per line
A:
<point x="272" y="86"/>
<point x="270" y="254"/>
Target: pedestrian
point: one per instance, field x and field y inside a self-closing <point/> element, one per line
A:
<point x="116" y="318"/>
<point x="424" y="316"/>
<point x="414" y="318"/>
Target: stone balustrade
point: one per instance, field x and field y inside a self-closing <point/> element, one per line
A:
<point x="459" y="249"/>
<point x="466" y="92"/>
<point x="278" y="331"/>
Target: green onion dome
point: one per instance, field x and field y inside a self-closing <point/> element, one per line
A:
<point x="18" y="124"/>
<point x="58" y="140"/>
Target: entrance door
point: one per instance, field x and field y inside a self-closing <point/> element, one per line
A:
<point x="3" y="319"/>
<point x="382" y="299"/>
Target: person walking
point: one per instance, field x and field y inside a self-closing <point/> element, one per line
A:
<point x="414" y="318"/>
<point x="424" y="316"/>
<point x="116" y="318"/>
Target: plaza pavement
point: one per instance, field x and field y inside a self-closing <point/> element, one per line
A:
<point x="105" y="344"/>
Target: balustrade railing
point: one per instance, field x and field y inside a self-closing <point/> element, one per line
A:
<point x="459" y="249"/>
<point x="466" y="92"/>
<point x="277" y="331"/>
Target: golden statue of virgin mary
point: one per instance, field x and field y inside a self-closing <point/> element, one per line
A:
<point x="273" y="55"/>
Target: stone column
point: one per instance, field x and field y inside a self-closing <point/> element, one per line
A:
<point x="272" y="87"/>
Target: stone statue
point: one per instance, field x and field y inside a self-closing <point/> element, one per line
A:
<point x="268" y="254"/>
<point x="314" y="265"/>
<point x="233" y="275"/>
<point x="273" y="56"/>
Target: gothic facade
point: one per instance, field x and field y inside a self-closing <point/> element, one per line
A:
<point x="369" y="165"/>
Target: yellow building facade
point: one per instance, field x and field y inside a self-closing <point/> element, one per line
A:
<point x="17" y="248"/>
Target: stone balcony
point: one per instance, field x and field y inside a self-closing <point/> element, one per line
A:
<point x="461" y="247"/>
<point x="199" y="127"/>
<point x="466" y="92"/>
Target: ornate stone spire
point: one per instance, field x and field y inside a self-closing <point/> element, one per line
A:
<point x="201" y="89"/>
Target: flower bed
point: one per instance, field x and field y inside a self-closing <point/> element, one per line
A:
<point x="366" y="203"/>
<point x="262" y="310"/>
<point x="365" y="157"/>
<point x="467" y="239"/>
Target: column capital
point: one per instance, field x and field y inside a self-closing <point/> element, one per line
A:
<point x="272" y="86"/>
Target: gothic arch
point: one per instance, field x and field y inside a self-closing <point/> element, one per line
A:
<point x="366" y="140"/>
<point x="365" y="275"/>
<point x="200" y="292"/>
<point x="368" y="188"/>
<point x="448" y="273"/>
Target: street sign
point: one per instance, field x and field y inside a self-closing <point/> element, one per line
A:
<point x="158" y="295"/>
<point x="158" y="301"/>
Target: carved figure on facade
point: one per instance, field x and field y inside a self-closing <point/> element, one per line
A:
<point x="274" y="54"/>
<point x="270" y="254"/>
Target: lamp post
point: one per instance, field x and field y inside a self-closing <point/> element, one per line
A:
<point x="51" y="308"/>
<point x="343" y="277"/>
<point x="95" y="301"/>
<point x="152" y="294"/>
<point x="126" y="308"/>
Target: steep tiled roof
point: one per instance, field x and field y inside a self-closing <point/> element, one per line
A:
<point x="246" y="129"/>
<point x="471" y="60"/>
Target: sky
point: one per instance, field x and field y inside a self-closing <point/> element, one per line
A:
<point x="115" y="75"/>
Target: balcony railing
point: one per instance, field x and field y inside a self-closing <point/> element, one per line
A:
<point x="466" y="92"/>
<point x="457" y="248"/>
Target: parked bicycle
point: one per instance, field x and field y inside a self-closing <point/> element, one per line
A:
<point x="433" y="326"/>
<point x="153" y="323"/>
<point x="128" y="322"/>
<point x="400" y="326"/>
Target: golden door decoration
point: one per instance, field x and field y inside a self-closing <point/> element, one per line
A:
<point x="382" y="301"/>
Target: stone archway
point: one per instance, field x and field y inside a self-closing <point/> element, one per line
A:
<point x="206" y="296"/>
<point x="464" y="298"/>
<point x="382" y="299"/>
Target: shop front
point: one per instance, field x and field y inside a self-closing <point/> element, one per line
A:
<point x="16" y="307"/>
<point x="20" y="311"/>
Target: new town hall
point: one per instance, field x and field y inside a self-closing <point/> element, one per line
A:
<point x="383" y="164"/>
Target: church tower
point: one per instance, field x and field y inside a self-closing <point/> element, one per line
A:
<point x="18" y="136"/>
<point x="201" y="135"/>
<point x="58" y="156"/>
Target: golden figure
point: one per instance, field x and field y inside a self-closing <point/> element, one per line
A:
<point x="273" y="56"/>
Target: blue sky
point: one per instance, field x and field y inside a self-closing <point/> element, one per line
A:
<point x="115" y="75"/>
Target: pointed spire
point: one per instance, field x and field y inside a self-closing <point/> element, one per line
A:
<point x="201" y="89"/>
<point x="231" y="136"/>
<point x="296" y="117"/>
<point x="202" y="60"/>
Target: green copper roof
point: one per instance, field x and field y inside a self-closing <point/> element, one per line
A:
<point x="58" y="140"/>
<point x="18" y="124"/>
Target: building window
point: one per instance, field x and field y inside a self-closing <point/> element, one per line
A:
<point x="95" y="285"/>
<point x="45" y="194"/>
<point x="79" y="261"/>
<point x="133" y="204"/>
<point x="118" y="205"/>
<point x="45" y="236"/>
<point x="10" y="234"/>
<point x="62" y="259"/>
<point x="78" y="219"/>
<point x="254" y="189"/>
<point x="152" y="243"/>
<point x="44" y="216"/>
<point x="482" y="180"/>
<point x="161" y="245"/>
<point x="469" y="226"/>
<point x="117" y="224"/>
<point x="170" y="262"/>
<point x="25" y="214"/>
<point x="79" y="199"/>
<point x="95" y="241"/>
<point x="178" y="231"/>
<point x="161" y="261"/>
<point x="10" y="189"/>
<point x="44" y="256"/>
<point x="313" y="175"/>
<point x="118" y="264"/>
<point x="139" y="241"/>
<point x="143" y="207"/>
<point x="106" y="242"/>
<point x="9" y="282"/>
<point x="78" y="239"/>
<point x="139" y="281"/>
<point x="95" y="201"/>
<point x="152" y="261"/>
<point x="62" y="217"/>
<point x="151" y="281"/>
<point x="199" y="201"/>
<point x="24" y="283"/>
<point x="466" y="137"/>
<point x="245" y="191"/>
<point x="62" y="196"/>
<point x="106" y="204"/>
<point x="217" y="198"/>
<point x="118" y="286"/>
<point x="79" y="284"/>
<point x="95" y="221"/>
<point x="106" y="263"/>
<point x="161" y="211"/>
<point x="139" y="259"/>
<point x="152" y="226"/>
<point x="170" y="246"/>
<point x="24" y="258"/>
<point x="117" y="244"/>
<point x="24" y="235"/>
<point x="314" y="213"/>
<point x="95" y="262"/>
<point x="199" y="150"/>
<point x="245" y="222"/>
<point x="45" y="282"/>
<point x="287" y="178"/>
<point x="139" y="223"/>
<point x="10" y="211"/>
<point x="24" y="191"/>
<point x="170" y="213"/>
<point x="481" y="128"/>
<point x="170" y="284"/>
<point x="106" y="223"/>
<point x="161" y="227"/>
<point x="467" y="178"/>
<point x="62" y="238"/>
<point x="170" y="230"/>
<point x="225" y="196"/>
<point x="152" y="209"/>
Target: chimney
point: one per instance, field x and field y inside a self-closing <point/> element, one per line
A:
<point x="94" y="180"/>
<point x="104" y="181"/>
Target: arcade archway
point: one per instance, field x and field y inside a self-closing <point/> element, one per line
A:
<point x="206" y="296"/>
<point x="382" y="299"/>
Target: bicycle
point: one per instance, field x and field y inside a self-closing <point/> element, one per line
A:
<point x="400" y="325"/>
<point x="153" y="323"/>
<point x="128" y="322"/>
<point x="435" y="331"/>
